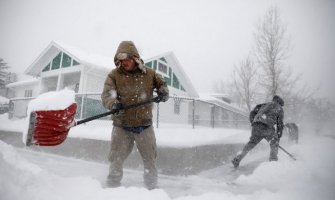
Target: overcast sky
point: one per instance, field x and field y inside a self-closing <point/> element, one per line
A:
<point x="208" y="37"/>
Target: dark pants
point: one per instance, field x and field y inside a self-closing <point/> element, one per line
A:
<point x="261" y="131"/>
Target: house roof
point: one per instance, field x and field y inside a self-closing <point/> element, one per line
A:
<point x="79" y="55"/>
<point x="23" y="83"/>
<point x="173" y="62"/>
<point x="216" y="99"/>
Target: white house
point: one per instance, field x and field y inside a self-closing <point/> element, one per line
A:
<point x="60" y="65"/>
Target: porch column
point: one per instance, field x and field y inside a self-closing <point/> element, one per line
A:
<point x="59" y="82"/>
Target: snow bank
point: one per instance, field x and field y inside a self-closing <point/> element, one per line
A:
<point x="55" y="100"/>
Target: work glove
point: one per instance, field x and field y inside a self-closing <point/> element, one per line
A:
<point x="116" y="108"/>
<point x="280" y="133"/>
<point x="162" y="97"/>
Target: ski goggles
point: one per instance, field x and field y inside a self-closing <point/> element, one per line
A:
<point x="123" y="56"/>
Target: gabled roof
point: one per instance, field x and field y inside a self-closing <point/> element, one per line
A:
<point x="107" y="63"/>
<point x="173" y="62"/>
<point x="79" y="55"/>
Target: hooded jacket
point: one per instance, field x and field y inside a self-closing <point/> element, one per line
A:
<point x="132" y="88"/>
<point x="270" y="114"/>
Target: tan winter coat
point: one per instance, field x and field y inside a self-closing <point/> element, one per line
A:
<point x="131" y="88"/>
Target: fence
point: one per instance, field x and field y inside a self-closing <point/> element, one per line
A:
<point x="187" y="111"/>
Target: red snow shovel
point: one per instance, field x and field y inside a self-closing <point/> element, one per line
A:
<point x="51" y="127"/>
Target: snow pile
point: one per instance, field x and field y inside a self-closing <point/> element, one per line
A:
<point x="55" y="100"/>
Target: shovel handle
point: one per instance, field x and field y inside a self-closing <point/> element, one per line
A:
<point x="292" y="156"/>
<point x="110" y="113"/>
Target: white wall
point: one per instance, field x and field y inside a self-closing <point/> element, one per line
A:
<point x="20" y="90"/>
<point x="167" y="115"/>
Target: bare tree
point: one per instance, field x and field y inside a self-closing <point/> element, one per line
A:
<point x="259" y="80"/>
<point x="271" y="50"/>
<point x="245" y="82"/>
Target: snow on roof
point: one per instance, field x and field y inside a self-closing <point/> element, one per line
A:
<point x="178" y="70"/>
<point x="87" y="57"/>
<point x="23" y="83"/>
<point x="214" y="99"/>
<point x="3" y="100"/>
<point x="79" y="55"/>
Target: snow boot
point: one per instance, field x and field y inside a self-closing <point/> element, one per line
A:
<point x="112" y="184"/>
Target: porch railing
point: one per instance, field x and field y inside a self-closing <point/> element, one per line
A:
<point x="191" y="112"/>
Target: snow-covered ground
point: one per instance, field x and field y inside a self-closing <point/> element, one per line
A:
<point x="30" y="175"/>
<point x="26" y="174"/>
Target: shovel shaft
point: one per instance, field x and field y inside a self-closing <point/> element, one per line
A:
<point x="93" y="118"/>
<point x="292" y="156"/>
<point x="110" y="112"/>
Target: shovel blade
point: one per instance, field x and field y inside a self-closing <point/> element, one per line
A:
<point x="50" y="127"/>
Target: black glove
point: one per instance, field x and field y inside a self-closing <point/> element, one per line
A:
<point x="116" y="107"/>
<point x="162" y="97"/>
<point x="280" y="133"/>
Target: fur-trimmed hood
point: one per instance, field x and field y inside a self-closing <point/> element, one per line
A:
<point x="128" y="49"/>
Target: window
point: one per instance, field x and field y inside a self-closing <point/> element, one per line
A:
<point x="168" y="79"/>
<point x="71" y="81"/>
<point x="75" y="63"/>
<point x="46" y="68"/>
<point x="56" y="61"/>
<point x="28" y="93"/>
<point x="49" y="84"/>
<point x="175" y="82"/>
<point x="163" y="59"/>
<point x="66" y="61"/>
<point x="162" y="68"/>
<point x="61" y="60"/>
<point x="148" y="64"/>
<point x="182" y="88"/>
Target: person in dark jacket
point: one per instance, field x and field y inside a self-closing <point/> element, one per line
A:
<point x="128" y="84"/>
<point x="293" y="132"/>
<point x="267" y="123"/>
